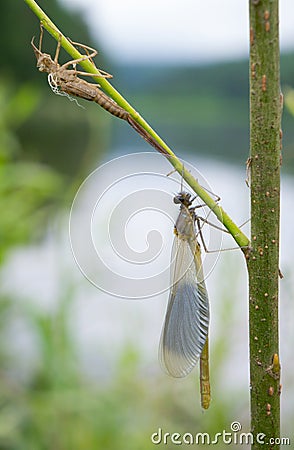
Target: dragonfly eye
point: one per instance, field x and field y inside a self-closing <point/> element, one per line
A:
<point x="182" y="197"/>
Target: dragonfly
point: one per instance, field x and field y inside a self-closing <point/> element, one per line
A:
<point x="184" y="337"/>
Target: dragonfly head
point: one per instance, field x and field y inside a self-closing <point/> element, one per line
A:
<point x="183" y="198"/>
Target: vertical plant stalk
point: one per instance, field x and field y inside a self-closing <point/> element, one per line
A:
<point x="263" y="264"/>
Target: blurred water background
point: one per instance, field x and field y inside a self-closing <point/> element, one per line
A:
<point x="78" y="366"/>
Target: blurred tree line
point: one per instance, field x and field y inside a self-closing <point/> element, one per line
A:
<point x="204" y="109"/>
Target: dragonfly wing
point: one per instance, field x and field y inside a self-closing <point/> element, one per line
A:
<point x="187" y="317"/>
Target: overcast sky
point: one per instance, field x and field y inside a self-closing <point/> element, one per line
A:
<point x="187" y="31"/>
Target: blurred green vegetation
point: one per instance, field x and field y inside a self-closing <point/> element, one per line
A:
<point x="28" y="189"/>
<point x="17" y="60"/>
<point x="47" y="146"/>
<point x="53" y="404"/>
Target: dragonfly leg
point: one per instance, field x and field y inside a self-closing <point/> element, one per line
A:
<point x="74" y="62"/>
<point x="199" y="232"/>
<point x="217" y="197"/>
<point x="41" y="37"/>
<point x="211" y="224"/>
<point x="90" y="54"/>
<point x="201" y="235"/>
<point x="171" y="172"/>
<point x="57" y="49"/>
<point x="101" y="73"/>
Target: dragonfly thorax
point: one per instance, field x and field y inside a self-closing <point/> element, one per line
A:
<point x="184" y="227"/>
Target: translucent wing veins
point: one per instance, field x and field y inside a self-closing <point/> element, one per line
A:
<point x="187" y="317"/>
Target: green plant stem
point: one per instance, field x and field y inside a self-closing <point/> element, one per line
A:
<point x="263" y="264"/>
<point x="240" y="238"/>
